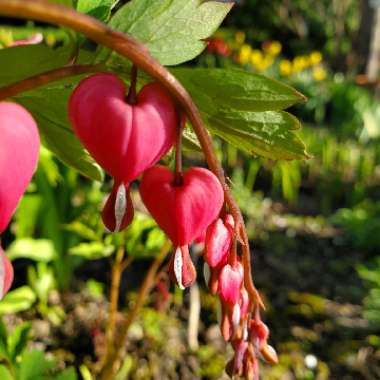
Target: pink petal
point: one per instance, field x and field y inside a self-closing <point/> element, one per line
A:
<point x="19" y="149"/>
<point x="230" y="280"/>
<point x="182" y="212"/>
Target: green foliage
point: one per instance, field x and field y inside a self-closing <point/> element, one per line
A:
<point x="172" y="30"/>
<point x="17" y="300"/>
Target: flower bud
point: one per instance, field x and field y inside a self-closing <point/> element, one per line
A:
<point x="6" y="274"/>
<point x="181" y="267"/>
<point x="217" y="243"/>
<point x="230" y="280"/>
<point x="118" y="211"/>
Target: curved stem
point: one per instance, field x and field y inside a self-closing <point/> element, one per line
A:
<point x="127" y="46"/>
<point x="49" y="76"/>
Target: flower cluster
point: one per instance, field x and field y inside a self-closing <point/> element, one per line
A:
<point x="268" y="57"/>
<point x="127" y="136"/>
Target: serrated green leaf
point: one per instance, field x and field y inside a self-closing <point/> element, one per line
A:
<point x="17" y="300"/>
<point x="48" y="106"/>
<point x="238" y="89"/>
<point x="267" y="134"/>
<point x="173" y="30"/>
<point x="33" y="249"/>
<point x="92" y="251"/>
<point x="244" y="109"/>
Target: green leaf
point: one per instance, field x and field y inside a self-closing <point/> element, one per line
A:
<point x="92" y="251"/>
<point x="173" y="30"/>
<point x="32" y="249"/>
<point x="18" y="340"/>
<point x="67" y="374"/>
<point x="34" y="366"/>
<point x="267" y="134"/>
<point x="244" y="109"/>
<point x="27" y="214"/>
<point x="48" y="106"/>
<point x="100" y="9"/>
<point x="21" y="62"/>
<point x="4" y="373"/>
<point x="81" y="230"/>
<point x="17" y="300"/>
<point x="237" y="89"/>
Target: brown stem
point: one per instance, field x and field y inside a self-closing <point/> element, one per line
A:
<point x="113" y="359"/>
<point x="127" y="46"/>
<point x="132" y="95"/>
<point x="44" y="78"/>
<point x="114" y="298"/>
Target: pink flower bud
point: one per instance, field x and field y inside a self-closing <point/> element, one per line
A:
<point x="182" y="211"/>
<point x="124" y="139"/>
<point x="19" y="149"/>
<point x="230" y="280"/>
<point x="181" y="267"/>
<point x="217" y="243"/>
<point x="118" y="211"/>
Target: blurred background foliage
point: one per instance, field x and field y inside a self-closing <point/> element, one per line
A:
<point x="314" y="224"/>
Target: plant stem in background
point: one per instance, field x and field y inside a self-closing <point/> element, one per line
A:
<point x="113" y="359"/>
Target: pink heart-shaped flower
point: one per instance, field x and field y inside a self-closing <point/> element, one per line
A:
<point x="182" y="211"/>
<point x="6" y="274"/>
<point x="19" y="149"/>
<point x="124" y="139"/>
<point x="230" y="280"/>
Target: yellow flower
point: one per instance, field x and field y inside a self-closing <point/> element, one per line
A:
<point x="256" y="57"/>
<point x="245" y="54"/>
<point x="264" y="63"/>
<point x="315" y="57"/>
<point x="319" y="73"/>
<point x="285" y="67"/>
<point x="300" y="63"/>
<point x="274" y="48"/>
<point x="240" y="37"/>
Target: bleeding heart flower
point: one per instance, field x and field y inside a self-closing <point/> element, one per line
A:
<point x="230" y="280"/>
<point x="6" y="274"/>
<point x="118" y="211"/>
<point x="124" y="139"/>
<point x="217" y="243"/>
<point x="181" y="268"/>
<point x="19" y="148"/>
<point x="182" y="211"/>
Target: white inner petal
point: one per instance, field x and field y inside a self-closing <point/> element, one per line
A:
<point x="120" y="206"/>
<point x="178" y="266"/>
<point x="236" y="316"/>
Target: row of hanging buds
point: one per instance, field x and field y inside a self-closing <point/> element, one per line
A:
<point x="127" y="136"/>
